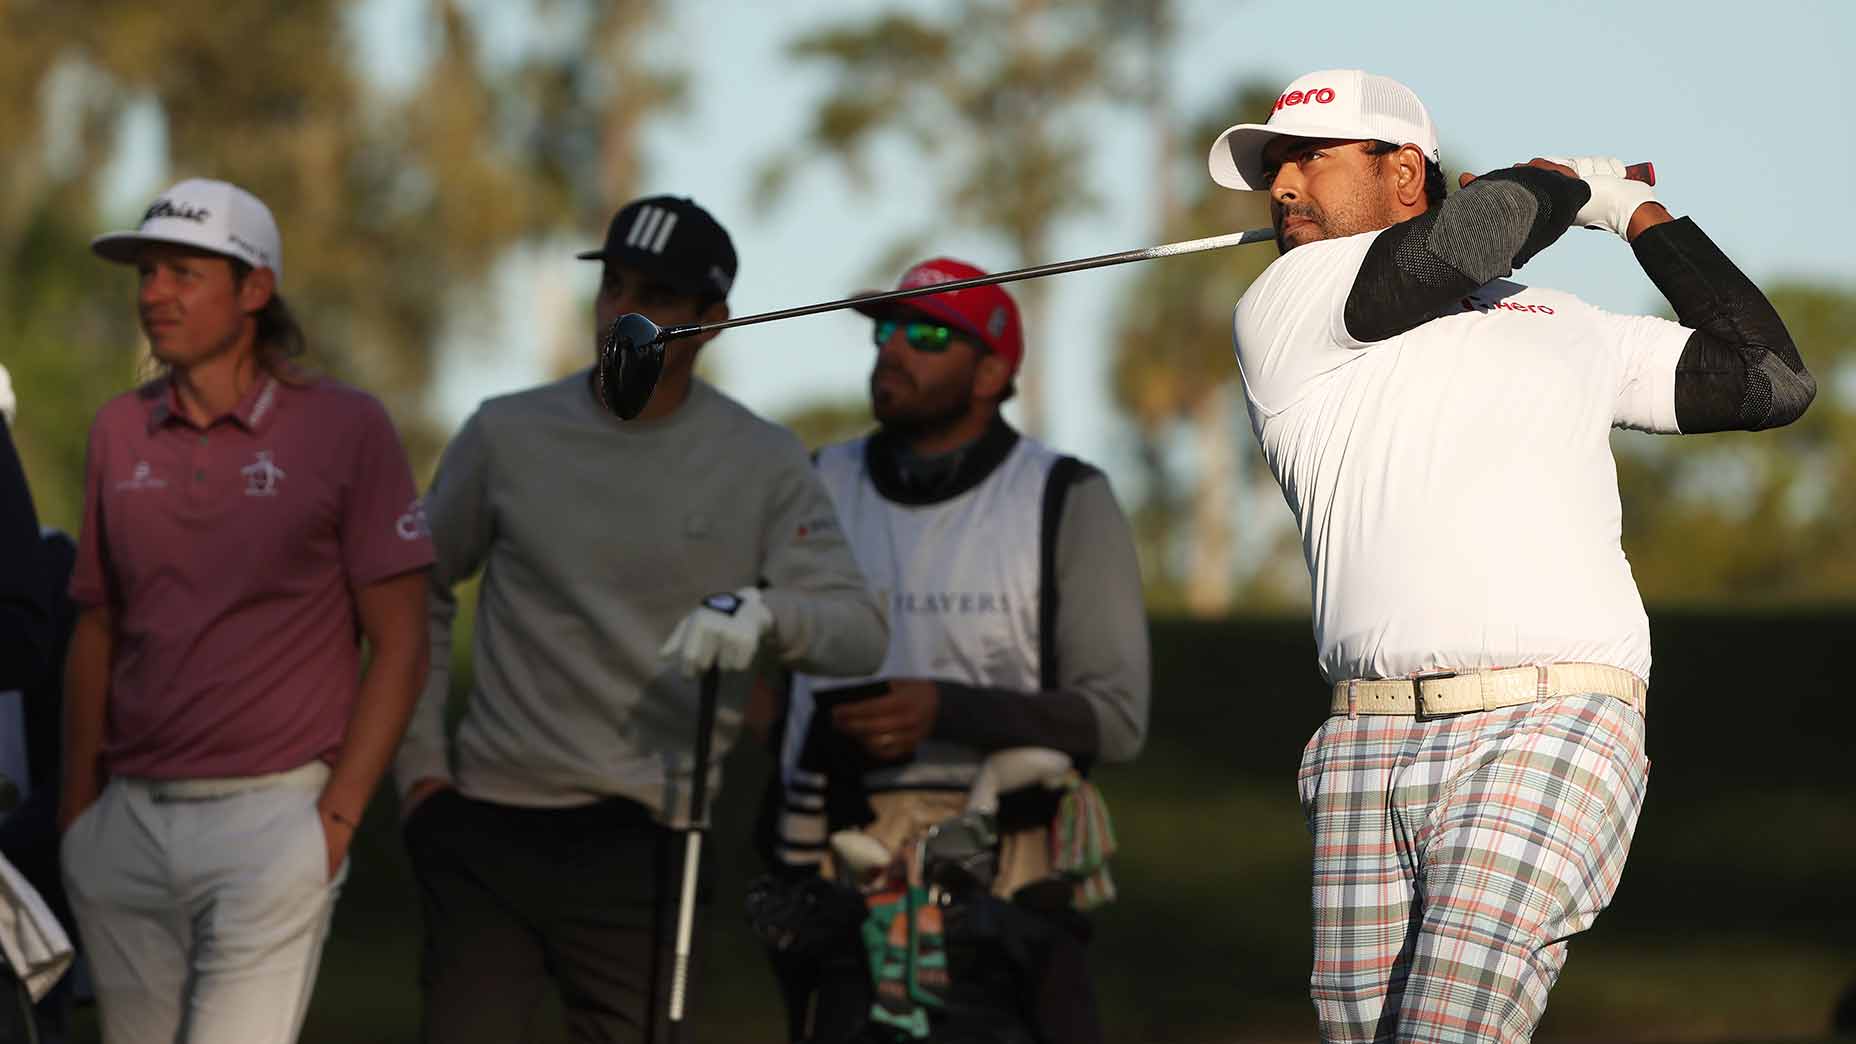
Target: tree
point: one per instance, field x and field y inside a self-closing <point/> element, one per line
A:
<point x="393" y="206"/>
<point x="1175" y="376"/>
<point x="994" y="94"/>
<point x="1755" y="519"/>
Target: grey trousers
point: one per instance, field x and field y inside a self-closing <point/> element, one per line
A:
<point x="202" y="918"/>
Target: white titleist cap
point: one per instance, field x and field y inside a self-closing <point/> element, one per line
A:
<point x="212" y="215"/>
<point x="1334" y="103"/>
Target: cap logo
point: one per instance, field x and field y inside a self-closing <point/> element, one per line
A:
<point x="1319" y="96"/>
<point x="922" y="275"/>
<point x="167" y="208"/>
<point x="651" y="229"/>
<point x="995" y="323"/>
<point x="250" y="248"/>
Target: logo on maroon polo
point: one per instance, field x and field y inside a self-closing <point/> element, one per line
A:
<point x="413" y="525"/>
<point x="141" y="478"/>
<point x="262" y="476"/>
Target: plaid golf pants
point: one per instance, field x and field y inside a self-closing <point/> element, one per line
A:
<point x="1455" y="856"/>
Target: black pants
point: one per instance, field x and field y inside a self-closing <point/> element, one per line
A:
<point x="517" y="897"/>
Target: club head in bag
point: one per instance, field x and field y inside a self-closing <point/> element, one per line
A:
<point x="961" y="853"/>
<point x="631" y="359"/>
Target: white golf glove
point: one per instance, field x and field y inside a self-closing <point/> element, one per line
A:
<point x="9" y="405"/>
<point x="725" y="631"/>
<point x="1614" y="197"/>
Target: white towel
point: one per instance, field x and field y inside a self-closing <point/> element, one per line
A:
<point x="32" y="940"/>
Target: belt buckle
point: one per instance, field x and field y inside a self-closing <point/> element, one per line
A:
<point x="1419" y="710"/>
<point x="161" y="794"/>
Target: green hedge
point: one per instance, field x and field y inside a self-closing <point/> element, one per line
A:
<point x="1734" y="919"/>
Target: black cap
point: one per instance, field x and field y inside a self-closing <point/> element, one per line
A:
<point x="674" y="240"/>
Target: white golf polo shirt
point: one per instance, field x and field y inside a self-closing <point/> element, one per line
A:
<point x="1454" y="484"/>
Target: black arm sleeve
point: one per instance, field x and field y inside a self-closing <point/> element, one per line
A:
<point x="1740" y="370"/>
<point x="995" y="719"/>
<point x="1485" y="231"/>
<point x="25" y="618"/>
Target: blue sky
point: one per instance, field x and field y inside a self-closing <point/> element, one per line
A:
<point x="1741" y="107"/>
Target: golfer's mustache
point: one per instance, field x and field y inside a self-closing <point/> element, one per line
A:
<point x="1300" y="210"/>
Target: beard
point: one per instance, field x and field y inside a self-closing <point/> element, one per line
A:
<point x="909" y="410"/>
<point x="1365" y="211"/>
<point x="1316" y="227"/>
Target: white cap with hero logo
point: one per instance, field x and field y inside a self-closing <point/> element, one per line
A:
<point x="1334" y="103"/>
<point x="212" y="215"/>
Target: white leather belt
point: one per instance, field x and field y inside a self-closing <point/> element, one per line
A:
<point x="314" y="774"/>
<point x="1457" y="692"/>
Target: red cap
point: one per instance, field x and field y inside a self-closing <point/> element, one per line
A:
<point x="985" y="313"/>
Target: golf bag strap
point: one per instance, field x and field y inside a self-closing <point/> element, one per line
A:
<point x="1065" y="472"/>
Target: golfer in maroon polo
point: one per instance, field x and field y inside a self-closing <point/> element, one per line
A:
<point x="245" y="524"/>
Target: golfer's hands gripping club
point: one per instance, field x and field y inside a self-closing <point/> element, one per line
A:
<point x="892" y="725"/>
<point x="1615" y="196"/>
<point x="725" y="631"/>
<point x="1618" y="190"/>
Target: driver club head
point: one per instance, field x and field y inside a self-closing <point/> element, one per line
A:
<point x="631" y="358"/>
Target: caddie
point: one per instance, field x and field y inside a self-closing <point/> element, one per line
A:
<point x="1016" y="620"/>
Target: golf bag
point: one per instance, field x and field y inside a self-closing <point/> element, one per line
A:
<point x="915" y="946"/>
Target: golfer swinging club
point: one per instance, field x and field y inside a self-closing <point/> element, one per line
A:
<point x="1442" y="436"/>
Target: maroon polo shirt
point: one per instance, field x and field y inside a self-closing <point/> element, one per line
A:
<point x="230" y="556"/>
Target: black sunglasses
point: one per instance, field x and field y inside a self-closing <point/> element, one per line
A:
<point x="932" y="338"/>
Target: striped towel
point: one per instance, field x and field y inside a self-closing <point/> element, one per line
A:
<point x="1082" y="838"/>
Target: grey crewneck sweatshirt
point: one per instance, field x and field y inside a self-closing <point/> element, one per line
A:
<point x="595" y="537"/>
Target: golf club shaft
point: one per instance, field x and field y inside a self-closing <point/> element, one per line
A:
<point x="1189" y="246"/>
<point x="686" y="921"/>
<point x="692" y="851"/>
<point x="1644" y="172"/>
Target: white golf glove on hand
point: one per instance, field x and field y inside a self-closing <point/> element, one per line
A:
<point x="1614" y="197"/>
<point x="725" y="631"/>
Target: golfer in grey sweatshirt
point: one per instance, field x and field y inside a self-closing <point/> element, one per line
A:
<point x="541" y="839"/>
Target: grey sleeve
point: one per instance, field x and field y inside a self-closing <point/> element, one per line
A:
<point x="457" y="508"/>
<point x="825" y="619"/>
<point x="1099" y="710"/>
<point x="1102" y="618"/>
<point x="1482" y="232"/>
